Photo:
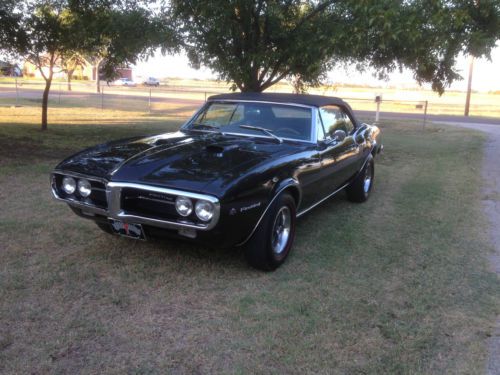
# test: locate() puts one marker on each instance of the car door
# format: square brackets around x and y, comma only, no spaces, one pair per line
[338,156]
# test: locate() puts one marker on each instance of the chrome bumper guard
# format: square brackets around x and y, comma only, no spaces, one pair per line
[114,211]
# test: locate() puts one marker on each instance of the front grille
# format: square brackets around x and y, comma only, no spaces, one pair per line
[149,204]
[96,198]
[98,195]
[135,203]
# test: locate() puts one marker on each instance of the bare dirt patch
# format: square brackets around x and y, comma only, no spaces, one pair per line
[491,203]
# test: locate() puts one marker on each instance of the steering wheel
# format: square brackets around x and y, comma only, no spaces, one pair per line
[289,130]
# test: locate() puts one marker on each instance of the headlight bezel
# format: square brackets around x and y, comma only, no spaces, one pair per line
[69,181]
[204,206]
[87,188]
[187,202]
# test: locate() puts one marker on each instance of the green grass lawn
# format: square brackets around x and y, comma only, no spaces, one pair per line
[399,284]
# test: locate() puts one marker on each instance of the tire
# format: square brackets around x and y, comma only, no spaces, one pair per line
[360,188]
[267,249]
[105,227]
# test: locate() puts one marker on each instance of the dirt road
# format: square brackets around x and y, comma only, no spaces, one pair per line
[491,205]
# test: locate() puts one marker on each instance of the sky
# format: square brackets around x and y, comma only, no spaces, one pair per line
[486,75]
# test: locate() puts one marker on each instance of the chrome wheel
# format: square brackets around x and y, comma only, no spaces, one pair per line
[281,230]
[367,183]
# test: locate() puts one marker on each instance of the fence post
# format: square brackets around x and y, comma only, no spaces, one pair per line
[102,98]
[59,99]
[425,114]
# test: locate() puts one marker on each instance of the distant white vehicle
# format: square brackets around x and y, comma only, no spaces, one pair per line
[152,81]
[124,82]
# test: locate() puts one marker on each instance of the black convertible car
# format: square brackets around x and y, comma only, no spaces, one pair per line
[239,172]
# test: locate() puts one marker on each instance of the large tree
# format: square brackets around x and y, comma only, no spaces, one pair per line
[46,31]
[50,33]
[255,44]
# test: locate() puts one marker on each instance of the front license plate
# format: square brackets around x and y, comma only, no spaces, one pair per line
[128,230]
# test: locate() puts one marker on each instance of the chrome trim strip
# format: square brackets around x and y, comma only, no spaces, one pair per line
[314,125]
[79,175]
[321,201]
[84,206]
[336,191]
[73,202]
[290,104]
[303,212]
[155,189]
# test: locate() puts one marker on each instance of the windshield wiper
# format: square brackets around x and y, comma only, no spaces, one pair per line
[207,126]
[263,130]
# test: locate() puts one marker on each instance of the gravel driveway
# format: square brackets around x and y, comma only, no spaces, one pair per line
[491,204]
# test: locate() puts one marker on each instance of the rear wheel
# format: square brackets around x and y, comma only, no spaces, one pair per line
[359,189]
[272,241]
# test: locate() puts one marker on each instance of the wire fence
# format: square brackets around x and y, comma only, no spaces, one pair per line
[167,100]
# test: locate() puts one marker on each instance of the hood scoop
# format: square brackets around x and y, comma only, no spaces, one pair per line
[162,141]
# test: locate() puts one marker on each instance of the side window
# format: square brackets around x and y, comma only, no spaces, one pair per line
[334,118]
[319,128]
[348,123]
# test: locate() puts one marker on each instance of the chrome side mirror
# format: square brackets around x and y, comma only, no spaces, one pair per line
[338,135]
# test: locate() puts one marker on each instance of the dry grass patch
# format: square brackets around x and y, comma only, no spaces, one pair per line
[396,285]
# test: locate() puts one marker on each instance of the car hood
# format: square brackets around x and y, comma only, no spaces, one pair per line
[178,160]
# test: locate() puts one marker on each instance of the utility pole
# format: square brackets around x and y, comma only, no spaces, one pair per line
[469,86]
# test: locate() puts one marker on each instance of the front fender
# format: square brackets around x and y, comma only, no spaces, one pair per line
[287,184]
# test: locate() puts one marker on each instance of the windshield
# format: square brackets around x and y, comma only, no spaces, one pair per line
[283,121]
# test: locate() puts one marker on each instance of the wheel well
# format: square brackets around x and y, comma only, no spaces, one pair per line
[295,193]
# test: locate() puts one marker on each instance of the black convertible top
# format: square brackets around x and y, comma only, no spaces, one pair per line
[310,100]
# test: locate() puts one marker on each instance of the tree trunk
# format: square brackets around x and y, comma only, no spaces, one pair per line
[97,76]
[45,102]
[70,73]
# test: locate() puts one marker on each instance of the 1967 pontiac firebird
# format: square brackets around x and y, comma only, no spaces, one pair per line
[238,173]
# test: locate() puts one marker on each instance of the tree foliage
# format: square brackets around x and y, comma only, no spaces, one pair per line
[9,23]
[257,43]
[122,34]
[50,33]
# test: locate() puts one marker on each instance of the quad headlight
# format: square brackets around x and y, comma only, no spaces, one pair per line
[204,210]
[84,188]
[184,206]
[69,185]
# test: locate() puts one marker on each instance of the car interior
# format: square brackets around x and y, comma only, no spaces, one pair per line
[283,121]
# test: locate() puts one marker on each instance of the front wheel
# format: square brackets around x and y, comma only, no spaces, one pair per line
[271,243]
[360,188]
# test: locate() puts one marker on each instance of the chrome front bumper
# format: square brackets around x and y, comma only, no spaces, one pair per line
[114,210]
